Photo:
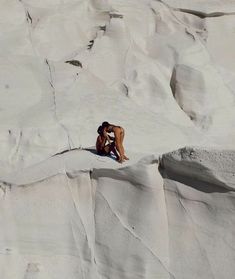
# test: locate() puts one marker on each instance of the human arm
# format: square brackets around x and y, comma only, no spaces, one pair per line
[107,137]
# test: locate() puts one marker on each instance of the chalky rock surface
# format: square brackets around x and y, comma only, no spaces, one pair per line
[202,165]
[165,71]
[199,191]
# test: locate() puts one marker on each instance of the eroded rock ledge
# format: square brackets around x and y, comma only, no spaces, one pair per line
[201,165]
[127,222]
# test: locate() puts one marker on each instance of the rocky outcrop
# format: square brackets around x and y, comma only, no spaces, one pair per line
[129,222]
[215,167]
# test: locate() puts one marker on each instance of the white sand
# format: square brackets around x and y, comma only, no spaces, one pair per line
[165,71]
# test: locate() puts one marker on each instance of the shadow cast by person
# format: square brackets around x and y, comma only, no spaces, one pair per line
[93,151]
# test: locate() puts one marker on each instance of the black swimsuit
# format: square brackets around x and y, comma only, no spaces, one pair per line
[102,152]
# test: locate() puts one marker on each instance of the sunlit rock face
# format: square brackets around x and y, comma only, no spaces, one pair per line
[165,71]
[199,190]
[68,65]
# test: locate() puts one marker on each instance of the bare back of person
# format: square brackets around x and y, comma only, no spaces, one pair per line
[100,146]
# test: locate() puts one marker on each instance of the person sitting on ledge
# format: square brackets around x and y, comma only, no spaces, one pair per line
[102,148]
[119,134]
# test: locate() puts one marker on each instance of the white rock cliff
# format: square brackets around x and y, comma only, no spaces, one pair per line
[165,71]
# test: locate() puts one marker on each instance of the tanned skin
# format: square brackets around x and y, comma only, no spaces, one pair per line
[119,134]
[105,149]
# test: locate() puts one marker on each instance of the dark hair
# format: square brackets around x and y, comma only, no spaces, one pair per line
[100,130]
[105,124]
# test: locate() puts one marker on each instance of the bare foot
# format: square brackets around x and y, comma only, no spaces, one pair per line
[120,160]
[126,157]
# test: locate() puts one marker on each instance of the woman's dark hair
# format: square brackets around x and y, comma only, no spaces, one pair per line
[105,124]
[100,130]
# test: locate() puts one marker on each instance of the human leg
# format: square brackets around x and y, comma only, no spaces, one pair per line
[121,139]
[113,149]
[119,147]
[107,149]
